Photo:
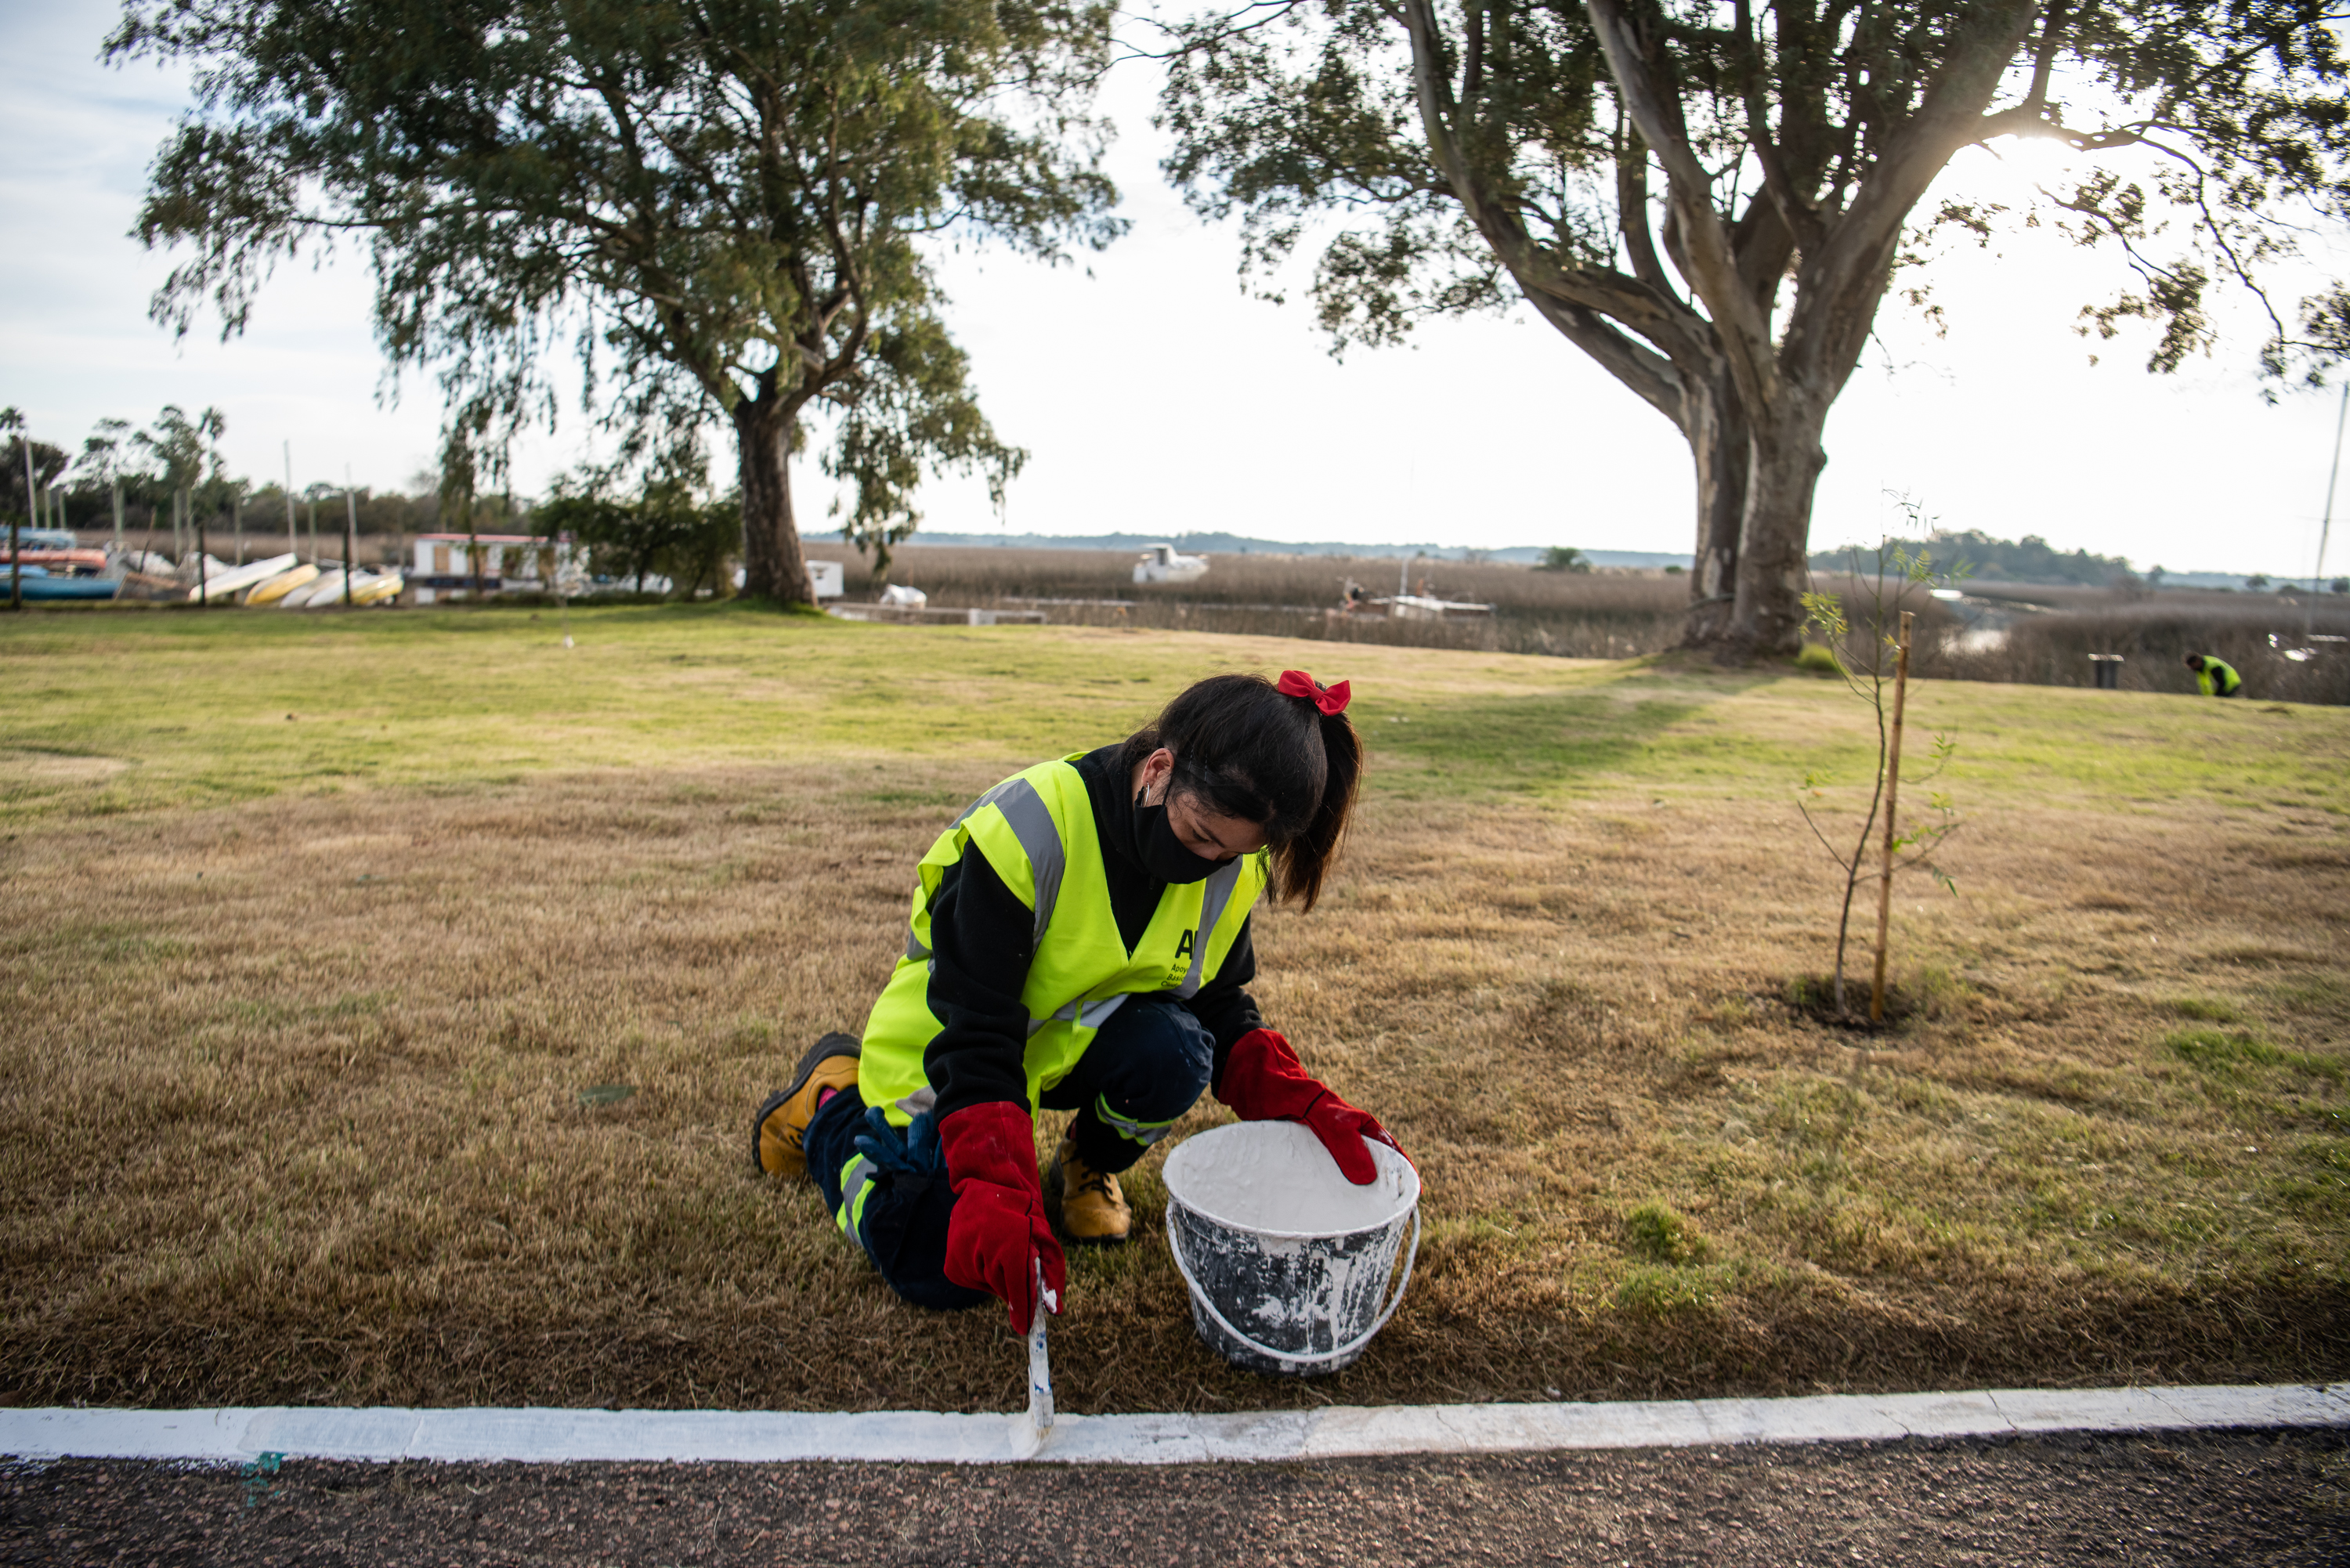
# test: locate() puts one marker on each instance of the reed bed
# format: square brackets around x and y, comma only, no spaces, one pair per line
[2285,652]
[1597,615]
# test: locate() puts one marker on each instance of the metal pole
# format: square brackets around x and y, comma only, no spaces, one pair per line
[1892,802]
[238,503]
[2325,523]
[204,577]
[292,545]
[15,546]
[117,515]
[350,533]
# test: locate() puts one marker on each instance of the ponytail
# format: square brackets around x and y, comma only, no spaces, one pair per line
[1282,756]
[1305,860]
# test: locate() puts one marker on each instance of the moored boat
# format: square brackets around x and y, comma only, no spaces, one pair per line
[227,581]
[279,586]
[327,591]
[379,588]
[39,583]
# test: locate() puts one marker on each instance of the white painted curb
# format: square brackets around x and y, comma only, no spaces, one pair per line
[548,1435]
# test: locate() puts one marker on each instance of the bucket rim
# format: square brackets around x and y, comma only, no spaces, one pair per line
[1386,1158]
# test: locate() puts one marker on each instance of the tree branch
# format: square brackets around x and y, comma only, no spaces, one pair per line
[1802,220]
[1712,269]
[1846,275]
[1655,378]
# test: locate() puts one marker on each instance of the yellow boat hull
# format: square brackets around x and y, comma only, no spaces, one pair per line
[379,589]
[279,586]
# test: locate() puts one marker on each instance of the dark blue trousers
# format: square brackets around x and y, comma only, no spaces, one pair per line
[1147,1064]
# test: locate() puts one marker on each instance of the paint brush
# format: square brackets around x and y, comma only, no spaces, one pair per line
[1029,1431]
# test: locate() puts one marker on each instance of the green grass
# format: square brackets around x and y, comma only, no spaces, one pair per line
[194,709]
[1662,1234]
[2230,1054]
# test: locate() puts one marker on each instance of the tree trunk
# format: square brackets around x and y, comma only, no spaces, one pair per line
[1719,443]
[773,567]
[1783,470]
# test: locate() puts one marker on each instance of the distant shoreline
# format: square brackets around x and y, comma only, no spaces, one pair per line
[1237,544]
[1516,555]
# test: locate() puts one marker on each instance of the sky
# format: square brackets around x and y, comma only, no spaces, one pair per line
[1155,395]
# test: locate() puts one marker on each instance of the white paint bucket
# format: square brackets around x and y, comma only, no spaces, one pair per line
[1287,1260]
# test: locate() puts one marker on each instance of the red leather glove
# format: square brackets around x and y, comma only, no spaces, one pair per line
[1263,1081]
[998,1221]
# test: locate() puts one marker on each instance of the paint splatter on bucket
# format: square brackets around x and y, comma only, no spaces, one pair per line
[1287,1260]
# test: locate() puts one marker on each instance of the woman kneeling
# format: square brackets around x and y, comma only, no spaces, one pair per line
[1080,943]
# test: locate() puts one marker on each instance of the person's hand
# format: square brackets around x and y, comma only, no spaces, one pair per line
[1263,1081]
[997,1228]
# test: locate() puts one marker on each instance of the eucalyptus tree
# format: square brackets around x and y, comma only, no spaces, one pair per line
[12,420]
[175,444]
[731,207]
[28,469]
[102,455]
[1712,201]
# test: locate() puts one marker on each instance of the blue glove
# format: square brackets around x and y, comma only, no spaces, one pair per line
[913,1152]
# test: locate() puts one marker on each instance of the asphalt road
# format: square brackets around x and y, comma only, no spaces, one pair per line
[2231,1498]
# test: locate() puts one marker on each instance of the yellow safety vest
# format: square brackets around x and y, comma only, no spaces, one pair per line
[1037,830]
[2217,673]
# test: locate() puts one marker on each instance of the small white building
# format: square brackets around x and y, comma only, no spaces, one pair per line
[825,580]
[446,566]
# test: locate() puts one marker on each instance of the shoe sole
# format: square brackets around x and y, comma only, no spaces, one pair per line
[823,1050]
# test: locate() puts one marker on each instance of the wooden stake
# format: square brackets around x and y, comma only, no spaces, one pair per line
[1892,802]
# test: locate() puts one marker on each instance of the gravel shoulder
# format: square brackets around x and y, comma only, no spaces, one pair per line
[2220,1498]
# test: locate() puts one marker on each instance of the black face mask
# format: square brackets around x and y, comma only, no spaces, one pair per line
[1161,852]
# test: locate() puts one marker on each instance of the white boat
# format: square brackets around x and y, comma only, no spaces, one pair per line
[279,586]
[223,582]
[378,589]
[327,591]
[1426,607]
[1160,564]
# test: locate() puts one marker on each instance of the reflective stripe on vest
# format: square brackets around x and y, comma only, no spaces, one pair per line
[1037,833]
[1031,821]
[1217,894]
[856,1185]
[1144,1133]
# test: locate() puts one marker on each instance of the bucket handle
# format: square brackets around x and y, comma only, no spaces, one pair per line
[1292,1357]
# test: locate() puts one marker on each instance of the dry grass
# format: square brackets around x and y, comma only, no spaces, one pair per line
[290,1080]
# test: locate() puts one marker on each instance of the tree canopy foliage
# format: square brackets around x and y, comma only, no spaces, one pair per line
[2032,559]
[667,530]
[1712,200]
[730,206]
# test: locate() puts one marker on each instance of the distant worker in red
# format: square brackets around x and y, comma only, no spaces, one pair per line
[2215,677]
[1079,941]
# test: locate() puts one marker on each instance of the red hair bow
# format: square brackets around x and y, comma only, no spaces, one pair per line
[1331,700]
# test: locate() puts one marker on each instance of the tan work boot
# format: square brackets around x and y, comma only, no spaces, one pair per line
[779,1132]
[1084,1202]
